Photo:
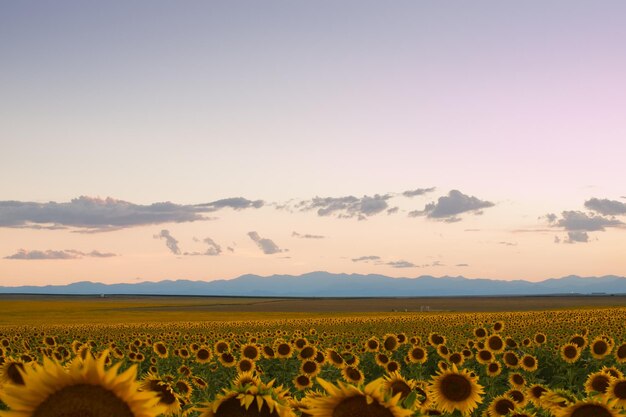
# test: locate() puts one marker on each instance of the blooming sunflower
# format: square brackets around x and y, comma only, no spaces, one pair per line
[620,353]
[84,388]
[597,382]
[417,354]
[456,390]
[587,408]
[258,400]
[500,406]
[570,352]
[616,392]
[600,347]
[346,400]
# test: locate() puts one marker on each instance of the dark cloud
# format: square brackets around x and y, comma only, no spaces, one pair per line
[577,236]
[606,207]
[307,236]
[266,245]
[213,248]
[57,254]
[448,207]
[393,210]
[346,207]
[418,191]
[579,221]
[236,203]
[172,244]
[401,264]
[366,258]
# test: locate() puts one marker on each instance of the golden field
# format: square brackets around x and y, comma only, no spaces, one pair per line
[120,356]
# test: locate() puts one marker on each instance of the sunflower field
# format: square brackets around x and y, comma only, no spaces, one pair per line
[566,363]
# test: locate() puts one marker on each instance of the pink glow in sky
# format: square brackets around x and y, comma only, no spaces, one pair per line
[306,123]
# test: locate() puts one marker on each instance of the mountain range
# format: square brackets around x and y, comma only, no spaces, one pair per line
[325,284]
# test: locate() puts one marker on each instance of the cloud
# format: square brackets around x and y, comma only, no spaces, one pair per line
[236,203]
[213,248]
[507,243]
[461,265]
[393,210]
[448,207]
[307,236]
[577,236]
[418,191]
[172,244]
[606,207]
[266,245]
[579,221]
[346,207]
[94,213]
[401,264]
[366,258]
[57,254]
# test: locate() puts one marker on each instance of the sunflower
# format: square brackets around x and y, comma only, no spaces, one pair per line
[283,350]
[535,393]
[557,400]
[395,384]
[587,408]
[345,400]
[268,352]
[436,339]
[579,340]
[227,359]
[517,380]
[221,346]
[335,359]
[600,347]
[245,365]
[307,352]
[494,369]
[183,388]
[353,375]
[480,332]
[310,368]
[443,351]
[258,400]
[11,372]
[616,392]
[244,378]
[302,382]
[203,355]
[417,354]
[540,338]
[500,406]
[82,388]
[250,351]
[517,396]
[160,349]
[570,352]
[392,366]
[495,344]
[484,356]
[160,386]
[372,344]
[620,353]
[498,326]
[510,360]
[390,342]
[456,358]
[529,363]
[597,382]
[456,390]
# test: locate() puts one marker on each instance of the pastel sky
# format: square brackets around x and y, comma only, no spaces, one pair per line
[151,140]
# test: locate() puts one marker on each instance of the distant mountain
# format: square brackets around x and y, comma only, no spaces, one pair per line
[325,284]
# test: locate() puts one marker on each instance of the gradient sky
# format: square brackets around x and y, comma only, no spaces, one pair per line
[506,117]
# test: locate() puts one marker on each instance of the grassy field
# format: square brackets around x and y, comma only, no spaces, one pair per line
[33,309]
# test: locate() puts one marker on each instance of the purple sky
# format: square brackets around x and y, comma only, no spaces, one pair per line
[512,111]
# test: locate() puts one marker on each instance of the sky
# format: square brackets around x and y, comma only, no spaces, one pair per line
[151,140]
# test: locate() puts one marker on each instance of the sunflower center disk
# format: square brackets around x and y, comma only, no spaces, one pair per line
[456,388]
[591,410]
[358,406]
[233,408]
[83,400]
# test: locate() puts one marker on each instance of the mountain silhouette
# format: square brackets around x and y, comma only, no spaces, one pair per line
[325,284]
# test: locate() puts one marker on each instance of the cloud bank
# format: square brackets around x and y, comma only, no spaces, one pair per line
[24,254]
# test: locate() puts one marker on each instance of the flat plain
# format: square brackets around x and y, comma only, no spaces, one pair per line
[53,309]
